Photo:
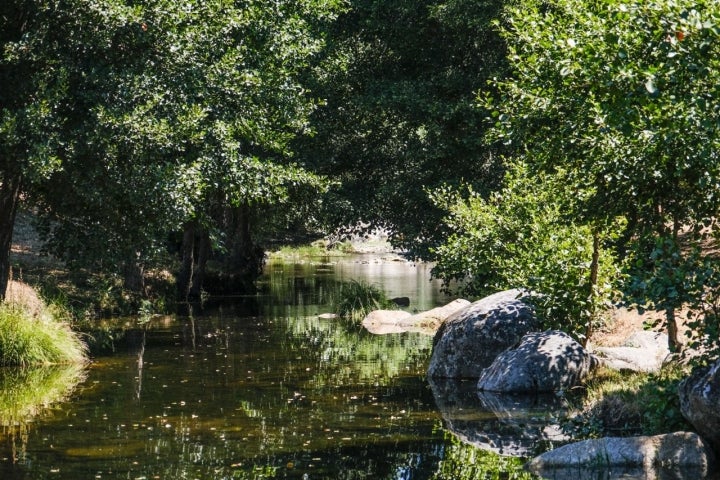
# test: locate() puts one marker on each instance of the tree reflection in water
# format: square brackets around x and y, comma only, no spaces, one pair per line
[261,390]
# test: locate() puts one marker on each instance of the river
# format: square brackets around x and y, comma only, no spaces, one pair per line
[251,388]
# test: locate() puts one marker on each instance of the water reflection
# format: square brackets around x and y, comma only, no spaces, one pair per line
[516,425]
[26,394]
[223,397]
[261,388]
[304,286]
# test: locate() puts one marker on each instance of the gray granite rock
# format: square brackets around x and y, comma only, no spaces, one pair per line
[542,362]
[470,339]
[643,351]
[678,451]
[700,402]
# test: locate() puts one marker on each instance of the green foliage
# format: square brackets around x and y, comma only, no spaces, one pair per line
[400,78]
[522,237]
[356,299]
[617,97]
[466,462]
[151,115]
[29,340]
[688,276]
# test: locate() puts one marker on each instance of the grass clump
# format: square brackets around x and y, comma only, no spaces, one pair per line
[37,336]
[356,299]
[626,404]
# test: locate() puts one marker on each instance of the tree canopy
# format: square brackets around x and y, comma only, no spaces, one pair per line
[618,101]
[154,116]
[400,79]
[509,140]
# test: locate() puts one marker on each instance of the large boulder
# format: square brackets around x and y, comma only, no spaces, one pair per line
[700,402]
[470,339]
[644,351]
[685,453]
[542,362]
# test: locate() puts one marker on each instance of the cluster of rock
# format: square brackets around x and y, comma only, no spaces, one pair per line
[492,348]
[495,341]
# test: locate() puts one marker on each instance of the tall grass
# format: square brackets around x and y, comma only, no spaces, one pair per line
[358,298]
[316,249]
[28,338]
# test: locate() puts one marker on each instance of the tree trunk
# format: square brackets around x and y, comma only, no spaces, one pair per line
[246,258]
[134,275]
[674,343]
[594,268]
[185,276]
[203,254]
[9,199]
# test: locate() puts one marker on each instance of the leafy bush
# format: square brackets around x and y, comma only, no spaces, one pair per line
[521,237]
[358,298]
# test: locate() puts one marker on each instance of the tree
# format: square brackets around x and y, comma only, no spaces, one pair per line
[620,97]
[521,237]
[172,112]
[400,79]
[26,101]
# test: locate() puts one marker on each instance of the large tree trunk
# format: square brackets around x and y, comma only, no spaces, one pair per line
[246,258]
[9,199]
[134,275]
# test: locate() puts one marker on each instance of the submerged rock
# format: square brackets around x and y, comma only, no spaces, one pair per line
[435,317]
[401,301]
[396,321]
[648,456]
[469,340]
[543,362]
[385,321]
[700,402]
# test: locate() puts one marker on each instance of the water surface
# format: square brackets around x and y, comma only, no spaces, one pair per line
[255,387]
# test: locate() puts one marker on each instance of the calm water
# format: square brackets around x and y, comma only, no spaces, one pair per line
[255,388]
